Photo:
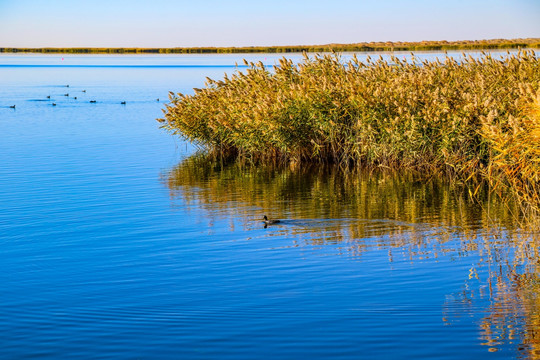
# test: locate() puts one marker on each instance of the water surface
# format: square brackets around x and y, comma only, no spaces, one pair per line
[118,240]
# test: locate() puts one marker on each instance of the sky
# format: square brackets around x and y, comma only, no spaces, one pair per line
[169,23]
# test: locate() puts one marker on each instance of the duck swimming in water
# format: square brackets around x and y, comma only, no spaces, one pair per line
[269,222]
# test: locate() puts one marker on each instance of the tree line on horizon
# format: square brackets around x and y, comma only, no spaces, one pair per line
[356,47]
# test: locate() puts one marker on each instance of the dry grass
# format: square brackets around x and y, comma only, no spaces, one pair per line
[516,152]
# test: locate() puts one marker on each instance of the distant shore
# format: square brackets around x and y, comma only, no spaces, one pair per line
[356,47]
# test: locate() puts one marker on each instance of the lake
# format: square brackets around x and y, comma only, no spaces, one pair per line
[118,240]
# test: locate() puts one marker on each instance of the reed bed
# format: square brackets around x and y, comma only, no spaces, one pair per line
[516,154]
[474,119]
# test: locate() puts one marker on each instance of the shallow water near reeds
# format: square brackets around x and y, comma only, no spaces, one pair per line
[118,240]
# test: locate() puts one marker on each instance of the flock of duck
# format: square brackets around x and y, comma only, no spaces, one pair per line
[75,98]
[266,221]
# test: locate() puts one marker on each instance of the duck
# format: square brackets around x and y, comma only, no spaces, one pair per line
[123,103]
[12,106]
[93,101]
[53,104]
[269,222]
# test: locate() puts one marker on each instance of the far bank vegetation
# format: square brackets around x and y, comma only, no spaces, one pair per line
[356,47]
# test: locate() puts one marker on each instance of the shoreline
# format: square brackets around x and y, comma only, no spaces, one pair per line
[492,44]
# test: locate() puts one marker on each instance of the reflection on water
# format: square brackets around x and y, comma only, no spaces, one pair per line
[405,215]
[513,314]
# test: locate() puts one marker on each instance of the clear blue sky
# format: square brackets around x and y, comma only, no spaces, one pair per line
[168,23]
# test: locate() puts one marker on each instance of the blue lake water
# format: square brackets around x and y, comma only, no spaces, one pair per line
[116,241]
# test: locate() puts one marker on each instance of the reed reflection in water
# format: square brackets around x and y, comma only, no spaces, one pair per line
[354,212]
